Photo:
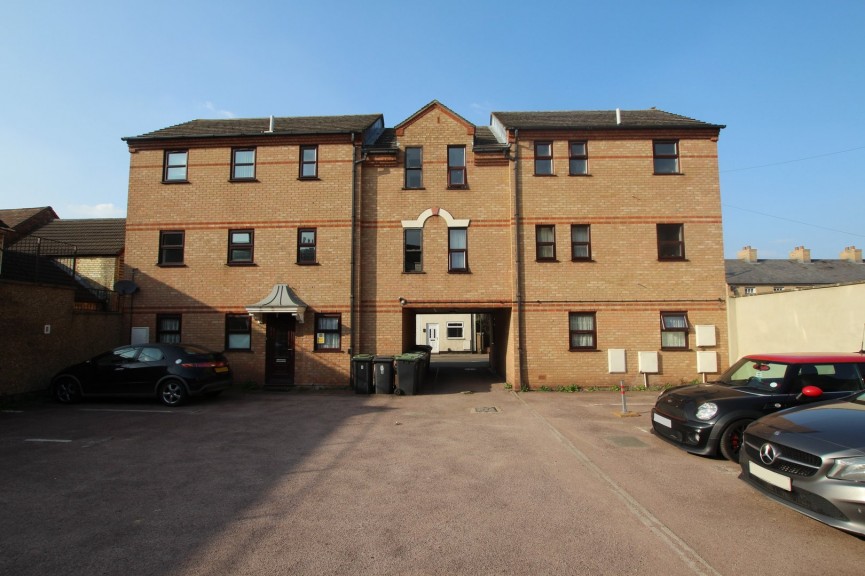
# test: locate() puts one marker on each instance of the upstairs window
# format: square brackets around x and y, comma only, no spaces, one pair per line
[457,250]
[414,168]
[306,246]
[168,328]
[171,247]
[243,164]
[545,242]
[413,261]
[240,246]
[581,242]
[583,333]
[238,332]
[175,164]
[327,332]
[543,158]
[671,241]
[666,154]
[309,161]
[457,167]
[578,158]
[674,330]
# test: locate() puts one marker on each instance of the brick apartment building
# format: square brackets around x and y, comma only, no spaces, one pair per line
[591,241]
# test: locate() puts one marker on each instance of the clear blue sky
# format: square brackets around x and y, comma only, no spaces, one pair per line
[786,77]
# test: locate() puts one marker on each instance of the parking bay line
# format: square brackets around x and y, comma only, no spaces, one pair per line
[134,411]
[56,440]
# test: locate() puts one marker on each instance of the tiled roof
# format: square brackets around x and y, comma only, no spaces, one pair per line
[791,272]
[91,236]
[15,216]
[598,119]
[258,126]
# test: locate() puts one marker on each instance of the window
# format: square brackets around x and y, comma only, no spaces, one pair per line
[306,246]
[327,332]
[168,328]
[583,333]
[581,242]
[455,330]
[240,244]
[243,164]
[457,167]
[778,289]
[457,250]
[309,161]
[175,166]
[238,332]
[148,354]
[671,241]
[414,168]
[666,153]
[413,250]
[545,242]
[750,290]
[578,159]
[674,330]
[543,158]
[170,247]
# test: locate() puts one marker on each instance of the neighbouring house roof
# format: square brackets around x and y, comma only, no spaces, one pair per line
[91,236]
[792,272]
[24,219]
[598,119]
[300,125]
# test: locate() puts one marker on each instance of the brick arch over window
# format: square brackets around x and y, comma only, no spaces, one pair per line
[429,212]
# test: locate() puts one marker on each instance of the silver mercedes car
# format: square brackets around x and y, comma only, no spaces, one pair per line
[812,459]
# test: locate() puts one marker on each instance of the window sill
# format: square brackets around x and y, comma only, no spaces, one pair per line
[240,264]
[583,350]
[421,188]
[240,350]
[668,174]
[582,260]
[413,272]
[328,351]
[180,265]
[581,175]
[545,175]
[675,349]
[457,188]
[175,182]
[459,272]
[672,260]
[242,180]
[307,263]
[309,178]
[546,260]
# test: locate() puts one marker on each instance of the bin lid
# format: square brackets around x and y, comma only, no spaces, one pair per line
[409,357]
[383,359]
[365,357]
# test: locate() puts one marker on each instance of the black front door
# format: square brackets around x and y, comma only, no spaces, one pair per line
[280,349]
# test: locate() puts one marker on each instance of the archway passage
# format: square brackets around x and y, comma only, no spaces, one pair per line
[469,346]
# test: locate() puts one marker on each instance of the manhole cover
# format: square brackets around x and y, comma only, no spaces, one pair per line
[483,409]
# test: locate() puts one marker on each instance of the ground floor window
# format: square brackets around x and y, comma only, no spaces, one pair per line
[583,331]
[327,332]
[168,328]
[455,330]
[238,332]
[674,330]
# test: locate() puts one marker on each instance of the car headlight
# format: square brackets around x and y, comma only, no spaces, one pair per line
[707,410]
[850,469]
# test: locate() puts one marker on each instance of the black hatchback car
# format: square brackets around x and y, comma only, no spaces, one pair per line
[170,372]
[709,418]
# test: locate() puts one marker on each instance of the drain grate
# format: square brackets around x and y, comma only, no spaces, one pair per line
[485,409]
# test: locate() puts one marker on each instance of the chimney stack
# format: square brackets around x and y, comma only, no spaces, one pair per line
[800,254]
[851,254]
[747,254]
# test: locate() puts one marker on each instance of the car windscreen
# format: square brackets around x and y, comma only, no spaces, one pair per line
[757,374]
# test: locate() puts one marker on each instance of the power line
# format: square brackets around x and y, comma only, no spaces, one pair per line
[793,161]
[794,221]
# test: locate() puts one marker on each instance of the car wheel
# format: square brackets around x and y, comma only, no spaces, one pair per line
[732,438]
[172,393]
[67,390]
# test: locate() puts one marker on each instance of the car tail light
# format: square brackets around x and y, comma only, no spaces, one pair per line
[211,364]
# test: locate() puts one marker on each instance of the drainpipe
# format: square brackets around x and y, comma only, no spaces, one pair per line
[352,314]
[521,325]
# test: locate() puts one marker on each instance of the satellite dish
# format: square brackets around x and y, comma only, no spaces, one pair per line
[124,287]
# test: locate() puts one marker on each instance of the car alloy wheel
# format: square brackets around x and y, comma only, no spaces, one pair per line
[732,439]
[172,393]
[67,390]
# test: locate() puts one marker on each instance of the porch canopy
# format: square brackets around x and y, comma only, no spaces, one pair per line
[281,299]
